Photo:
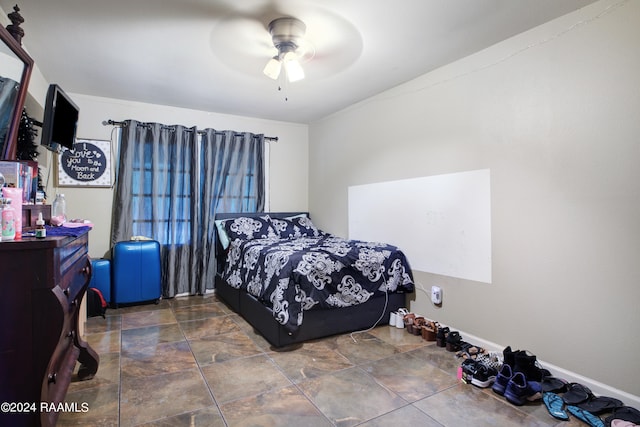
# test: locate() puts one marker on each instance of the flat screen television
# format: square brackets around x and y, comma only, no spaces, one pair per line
[60,120]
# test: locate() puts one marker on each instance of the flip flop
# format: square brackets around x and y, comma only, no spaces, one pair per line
[600,404]
[576,393]
[585,416]
[625,413]
[554,404]
[554,385]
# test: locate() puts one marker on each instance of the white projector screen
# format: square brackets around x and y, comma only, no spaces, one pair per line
[442,223]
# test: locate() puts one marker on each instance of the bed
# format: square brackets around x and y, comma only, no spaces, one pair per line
[293,282]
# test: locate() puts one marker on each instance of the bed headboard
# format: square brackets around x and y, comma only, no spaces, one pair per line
[257,214]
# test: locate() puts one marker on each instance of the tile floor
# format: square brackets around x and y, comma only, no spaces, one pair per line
[193,362]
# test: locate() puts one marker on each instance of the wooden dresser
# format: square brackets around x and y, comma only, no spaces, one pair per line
[42,282]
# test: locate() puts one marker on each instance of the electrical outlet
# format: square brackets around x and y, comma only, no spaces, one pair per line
[436,295]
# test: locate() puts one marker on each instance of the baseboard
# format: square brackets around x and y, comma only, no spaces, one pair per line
[598,388]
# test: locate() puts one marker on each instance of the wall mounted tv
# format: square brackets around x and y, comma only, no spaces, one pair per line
[60,120]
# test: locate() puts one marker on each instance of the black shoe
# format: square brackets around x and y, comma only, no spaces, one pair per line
[441,336]
[469,367]
[484,376]
[528,365]
[454,341]
[510,356]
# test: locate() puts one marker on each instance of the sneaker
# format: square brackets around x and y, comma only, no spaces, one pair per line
[393,318]
[519,390]
[491,359]
[484,376]
[468,370]
[502,379]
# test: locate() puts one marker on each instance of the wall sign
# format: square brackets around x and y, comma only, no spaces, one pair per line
[88,165]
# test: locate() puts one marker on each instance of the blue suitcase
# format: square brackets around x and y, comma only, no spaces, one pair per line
[101,277]
[136,275]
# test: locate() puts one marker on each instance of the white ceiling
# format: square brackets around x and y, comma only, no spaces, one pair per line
[209,54]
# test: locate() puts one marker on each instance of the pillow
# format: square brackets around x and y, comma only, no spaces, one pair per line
[245,228]
[295,226]
[222,233]
[297,216]
[283,227]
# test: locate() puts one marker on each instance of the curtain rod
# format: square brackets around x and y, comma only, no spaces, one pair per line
[121,124]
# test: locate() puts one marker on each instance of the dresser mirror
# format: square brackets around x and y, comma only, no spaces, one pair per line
[15,71]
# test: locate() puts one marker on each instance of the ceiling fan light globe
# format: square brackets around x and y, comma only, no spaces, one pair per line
[272,69]
[294,70]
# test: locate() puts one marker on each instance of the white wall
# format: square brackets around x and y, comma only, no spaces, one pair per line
[288,162]
[553,113]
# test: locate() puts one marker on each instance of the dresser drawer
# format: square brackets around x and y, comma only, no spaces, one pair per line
[55,385]
[73,259]
[75,268]
[75,278]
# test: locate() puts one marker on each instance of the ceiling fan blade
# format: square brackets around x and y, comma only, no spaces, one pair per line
[241,39]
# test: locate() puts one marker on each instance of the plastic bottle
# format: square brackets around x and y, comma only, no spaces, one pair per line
[41,232]
[59,210]
[8,220]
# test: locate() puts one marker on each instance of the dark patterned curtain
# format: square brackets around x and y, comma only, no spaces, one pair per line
[171,180]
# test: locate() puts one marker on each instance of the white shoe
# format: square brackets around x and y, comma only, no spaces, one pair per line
[393,319]
[400,321]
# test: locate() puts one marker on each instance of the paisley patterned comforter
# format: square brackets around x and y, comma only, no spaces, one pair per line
[299,273]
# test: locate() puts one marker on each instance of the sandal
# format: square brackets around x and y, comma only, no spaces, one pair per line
[585,416]
[625,413]
[554,385]
[415,327]
[469,351]
[429,330]
[576,393]
[408,319]
[554,404]
[454,341]
[600,405]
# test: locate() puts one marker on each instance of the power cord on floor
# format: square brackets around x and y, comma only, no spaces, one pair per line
[384,311]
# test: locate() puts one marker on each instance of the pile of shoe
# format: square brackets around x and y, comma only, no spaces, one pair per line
[449,339]
[479,367]
[429,330]
[482,370]
[396,318]
[625,416]
[563,399]
[519,379]
[414,324]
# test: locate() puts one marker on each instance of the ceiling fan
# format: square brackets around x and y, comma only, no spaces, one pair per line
[245,40]
[287,35]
